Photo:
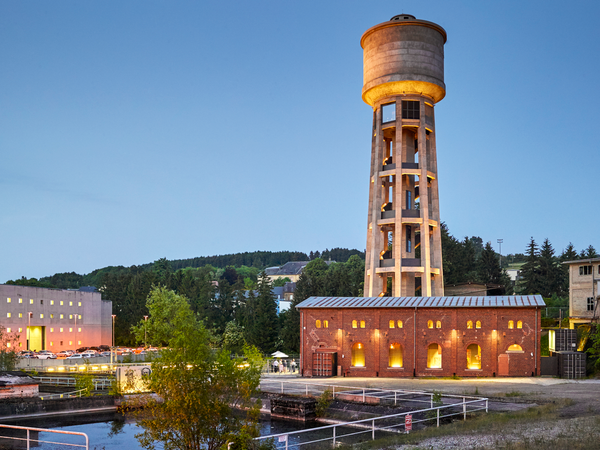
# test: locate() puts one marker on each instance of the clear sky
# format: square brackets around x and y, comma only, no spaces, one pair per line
[131,131]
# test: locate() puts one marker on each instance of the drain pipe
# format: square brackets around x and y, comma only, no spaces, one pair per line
[415,343]
[536,341]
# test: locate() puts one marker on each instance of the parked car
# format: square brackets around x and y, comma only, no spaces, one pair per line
[75,356]
[26,354]
[89,354]
[64,354]
[46,354]
[105,354]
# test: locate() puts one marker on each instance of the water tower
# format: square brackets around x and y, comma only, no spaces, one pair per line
[403,80]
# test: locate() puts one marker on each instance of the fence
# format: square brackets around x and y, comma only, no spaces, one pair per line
[353,393]
[28,438]
[394,423]
[73,394]
[99,383]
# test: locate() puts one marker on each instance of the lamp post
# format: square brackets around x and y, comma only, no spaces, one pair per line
[112,347]
[146,331]
[500,241]
[29,314]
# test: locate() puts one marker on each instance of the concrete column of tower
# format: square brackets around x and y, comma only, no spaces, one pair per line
[403,80]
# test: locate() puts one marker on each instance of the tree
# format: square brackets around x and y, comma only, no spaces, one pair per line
[530,271]
[198,387]
[264,328]
[8,346]
[488,267]
[551,274]
[280,282]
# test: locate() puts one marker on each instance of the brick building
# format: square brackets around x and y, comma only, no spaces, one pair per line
[420,336]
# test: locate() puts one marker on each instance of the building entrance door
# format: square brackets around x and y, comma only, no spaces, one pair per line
[36,338]
[324,364]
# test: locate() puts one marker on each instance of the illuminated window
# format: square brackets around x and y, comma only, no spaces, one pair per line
[411,109]
[514,348]
[399,324]
[8,344]
[51,343]
[473,356]
[395,355]
[358,355]
[430,324]
[70,316]
[61,330]
[325,323]
[8,300]
[8,330]
[62,316]
[362,323]
[41,316]
[31,301]
[20,300]
[20,330]
[79,330]
[70,303]
[478,324]
[20,344]
[70,342]
[78,342]
[51,302]
[52,316]
[354,324]
[7,314]
[79,304]
[51,330]
[318,324]
[438,324]
[392,324]
[519,324]
[62,303]
[79,317]
[20,315]
[388,113]
[434,356]
[511,324]
[469,324]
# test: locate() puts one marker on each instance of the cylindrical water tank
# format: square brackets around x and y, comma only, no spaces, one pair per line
[403,56]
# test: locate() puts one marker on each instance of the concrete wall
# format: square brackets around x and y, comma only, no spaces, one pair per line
[580,288]
[494,337]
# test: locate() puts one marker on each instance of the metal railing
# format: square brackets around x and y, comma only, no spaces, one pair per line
[393,423]
[99,383]
[357,394]
[73,394]
[28,439]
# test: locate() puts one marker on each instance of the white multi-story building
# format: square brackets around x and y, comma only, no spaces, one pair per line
[584,290]
[54,319]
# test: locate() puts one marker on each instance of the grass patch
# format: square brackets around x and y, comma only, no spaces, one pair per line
[514,394]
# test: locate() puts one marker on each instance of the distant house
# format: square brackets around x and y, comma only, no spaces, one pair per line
[291,270]
[17,384]
[584,290]
[283,296]
[470,289]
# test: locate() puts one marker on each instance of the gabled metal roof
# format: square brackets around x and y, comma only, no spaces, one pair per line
[509,301]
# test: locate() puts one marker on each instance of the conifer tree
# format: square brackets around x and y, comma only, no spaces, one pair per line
[551,275]
[264,329]
[530,271]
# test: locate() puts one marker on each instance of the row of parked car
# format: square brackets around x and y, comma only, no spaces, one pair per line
[83,353]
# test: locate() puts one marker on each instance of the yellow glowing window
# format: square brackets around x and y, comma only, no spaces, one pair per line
[358,355]
[31,301]
[8,344]
[473,356]
[430,324]
[79,330]
[62,303]
[325,323]
[61,330]
[51,343]
[78,342]
[434,356]
[478,324]
[41,316]
[70,303]
[438,324]
[469,324]
[511,324]
[20,344]
[8,330]
[395,355]
[79,317]
[70,342]
[519,324]
[400,324]
[20,300]
[20,315]
[318,324]
[362,323]
[354,324]
[514,348]
[7,314]
[52,316]
[8,300]
[70,330]
[392,324]
[79,304]
[62,316]
[51,302]
[20,330]
[51,330]
[70,316]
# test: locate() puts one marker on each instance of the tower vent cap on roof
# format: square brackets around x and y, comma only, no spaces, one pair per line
[403,17]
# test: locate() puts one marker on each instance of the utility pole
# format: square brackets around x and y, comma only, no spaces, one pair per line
[146,331]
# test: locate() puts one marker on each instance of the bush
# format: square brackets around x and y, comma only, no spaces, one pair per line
[323,403]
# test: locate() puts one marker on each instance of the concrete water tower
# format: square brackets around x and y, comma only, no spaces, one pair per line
[403,80]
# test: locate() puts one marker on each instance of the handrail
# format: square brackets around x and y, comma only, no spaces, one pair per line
[45,430]
[74,394]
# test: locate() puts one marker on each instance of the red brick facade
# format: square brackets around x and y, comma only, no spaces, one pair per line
[450,329]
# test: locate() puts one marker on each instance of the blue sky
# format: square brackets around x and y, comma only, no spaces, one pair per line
[131,131]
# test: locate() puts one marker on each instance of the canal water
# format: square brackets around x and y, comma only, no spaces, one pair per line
[112,431]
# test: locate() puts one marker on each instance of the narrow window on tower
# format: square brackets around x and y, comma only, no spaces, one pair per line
[408,199]
[408,239]
[388,113]
[590,303]
[411,109]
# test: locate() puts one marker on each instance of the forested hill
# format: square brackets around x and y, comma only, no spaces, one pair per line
[257,260]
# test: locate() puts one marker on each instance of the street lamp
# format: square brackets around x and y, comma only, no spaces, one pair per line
[500,241]
[146,331]
[29,314]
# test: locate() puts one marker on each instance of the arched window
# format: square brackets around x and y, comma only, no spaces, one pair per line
[515,348]
[473,356]
[326,324]
[399,324]
[434,356]
[438,324]
[354,324]
[318,323]
[511,324]
[469,324]
[478,324]
[519,324]
[358,355]
[430,324]
[392,324]
[362,323]
[395,355]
